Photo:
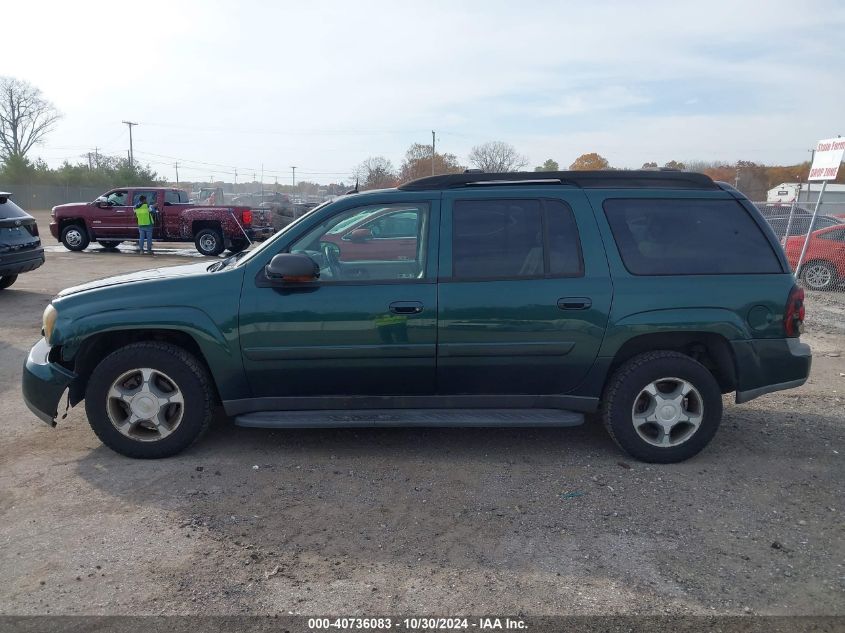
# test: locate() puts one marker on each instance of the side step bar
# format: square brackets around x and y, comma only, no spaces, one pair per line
[410,417]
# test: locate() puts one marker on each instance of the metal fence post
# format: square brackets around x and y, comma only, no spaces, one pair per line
[809,231]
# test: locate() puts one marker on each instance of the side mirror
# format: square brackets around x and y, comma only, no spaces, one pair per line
[101,203]
[359,235]
[292,267]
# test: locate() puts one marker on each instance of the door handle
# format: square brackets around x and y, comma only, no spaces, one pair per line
[406,307]
[574,303]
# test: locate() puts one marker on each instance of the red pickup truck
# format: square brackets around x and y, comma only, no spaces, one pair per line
[110,220]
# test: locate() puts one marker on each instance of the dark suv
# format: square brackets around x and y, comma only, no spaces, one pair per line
[20,245]
[520,300]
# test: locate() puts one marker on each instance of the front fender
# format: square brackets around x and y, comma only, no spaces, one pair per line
[711,320]
[220,351]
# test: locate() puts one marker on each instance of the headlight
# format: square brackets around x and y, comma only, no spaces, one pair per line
[48,321]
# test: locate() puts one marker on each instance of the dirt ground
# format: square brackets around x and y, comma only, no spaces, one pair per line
[432,522]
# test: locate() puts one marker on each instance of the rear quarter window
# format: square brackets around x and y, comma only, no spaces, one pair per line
[689,237]
[9,211]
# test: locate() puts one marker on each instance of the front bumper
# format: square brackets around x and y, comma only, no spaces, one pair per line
[767,365]
[21,262]
[44,382]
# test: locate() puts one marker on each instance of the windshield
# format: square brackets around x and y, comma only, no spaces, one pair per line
[248,255]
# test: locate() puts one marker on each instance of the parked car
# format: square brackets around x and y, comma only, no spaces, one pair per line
[110,220]
[20,245]
[800,224]
[824,261]
[781,209]
[641,296]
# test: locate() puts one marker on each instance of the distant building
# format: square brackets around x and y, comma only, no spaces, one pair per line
[806,195]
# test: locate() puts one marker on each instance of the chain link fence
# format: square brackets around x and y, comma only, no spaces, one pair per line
[818,245]
[42,197]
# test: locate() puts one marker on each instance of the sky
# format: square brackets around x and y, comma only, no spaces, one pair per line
[231,86]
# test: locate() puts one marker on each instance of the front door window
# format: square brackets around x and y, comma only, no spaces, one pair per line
[385,242]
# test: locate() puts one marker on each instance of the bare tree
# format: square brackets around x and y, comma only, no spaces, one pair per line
[25,117]
[376,172]
[496,157]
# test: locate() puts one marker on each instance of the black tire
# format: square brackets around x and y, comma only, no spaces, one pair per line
[819,275]
[75,237]
[238,245]
[7,280]
[624,391]
[186,373]
[209,242]
[109,246]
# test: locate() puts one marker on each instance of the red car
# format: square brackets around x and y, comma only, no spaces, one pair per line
[824,263]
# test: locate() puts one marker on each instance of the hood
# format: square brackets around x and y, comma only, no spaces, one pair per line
[70,205]
[170,272]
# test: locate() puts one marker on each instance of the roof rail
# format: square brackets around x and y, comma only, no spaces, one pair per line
[604,179]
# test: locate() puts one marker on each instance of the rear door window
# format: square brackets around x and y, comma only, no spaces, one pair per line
[689,237]
[514,239]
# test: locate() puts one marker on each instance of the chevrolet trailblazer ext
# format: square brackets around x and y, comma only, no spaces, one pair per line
[526,299]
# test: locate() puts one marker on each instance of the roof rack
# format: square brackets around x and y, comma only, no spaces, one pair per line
[606,179]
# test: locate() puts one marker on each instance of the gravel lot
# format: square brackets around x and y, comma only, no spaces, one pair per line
[434,522]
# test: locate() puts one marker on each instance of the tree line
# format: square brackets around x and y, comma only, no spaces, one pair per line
[752,179]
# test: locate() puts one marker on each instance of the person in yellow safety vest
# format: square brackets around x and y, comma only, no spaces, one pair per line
[145,225]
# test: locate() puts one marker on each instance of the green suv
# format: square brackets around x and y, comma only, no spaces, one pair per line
[515,299]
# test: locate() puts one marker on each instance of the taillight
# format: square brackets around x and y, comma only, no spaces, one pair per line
[33,229]
[793,315]
[246,216]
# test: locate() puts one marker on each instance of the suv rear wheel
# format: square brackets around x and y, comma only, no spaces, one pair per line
[149,400]
[662,407]
[75,237]
[7,280]
[209,242]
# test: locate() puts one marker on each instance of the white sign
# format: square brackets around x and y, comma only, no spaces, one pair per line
[827,159]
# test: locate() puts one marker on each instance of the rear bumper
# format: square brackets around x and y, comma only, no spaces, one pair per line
[21,262]
[259,233]
[43,383]
[767,365]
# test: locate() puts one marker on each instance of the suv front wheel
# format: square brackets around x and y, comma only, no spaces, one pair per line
[662,407]
[149,400]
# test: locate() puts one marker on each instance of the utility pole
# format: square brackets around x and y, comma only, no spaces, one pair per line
[293,176]
[176,165]
[131,151]
[262,182]
[432,152]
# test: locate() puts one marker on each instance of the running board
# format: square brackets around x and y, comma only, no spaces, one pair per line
[409,417]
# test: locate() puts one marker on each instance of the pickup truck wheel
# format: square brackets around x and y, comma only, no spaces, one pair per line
[7,280]
[149,400]
[662,407]
[209,242]
[75,237]
[238,245]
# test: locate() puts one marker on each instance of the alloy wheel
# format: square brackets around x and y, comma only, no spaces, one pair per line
[667,412]
[145,404]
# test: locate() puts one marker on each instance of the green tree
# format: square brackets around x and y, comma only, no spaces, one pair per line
[549,165]
[673,164]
